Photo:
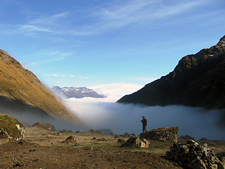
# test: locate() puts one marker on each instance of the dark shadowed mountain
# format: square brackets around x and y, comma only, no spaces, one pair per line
[77,92]
[22,95]
[198,80]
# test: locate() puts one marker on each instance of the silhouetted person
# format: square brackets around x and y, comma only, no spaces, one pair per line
[144,122]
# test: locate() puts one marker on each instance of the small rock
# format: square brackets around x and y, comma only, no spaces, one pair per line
[135,141]
[70,138]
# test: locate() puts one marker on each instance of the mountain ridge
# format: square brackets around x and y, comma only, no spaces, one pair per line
[196,81]
[21,87]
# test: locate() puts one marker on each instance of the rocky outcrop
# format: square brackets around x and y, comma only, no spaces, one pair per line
[194,156]
[197,81]
[162,134]
[45,126]
[94,132]
[136,142]
[11,128]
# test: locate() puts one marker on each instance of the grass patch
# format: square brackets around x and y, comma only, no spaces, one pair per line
[8,123]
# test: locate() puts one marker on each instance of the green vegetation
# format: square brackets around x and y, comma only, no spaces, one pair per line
[8,123]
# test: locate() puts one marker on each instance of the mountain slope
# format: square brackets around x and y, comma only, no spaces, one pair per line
[77,92]
[21,90]
[197,80]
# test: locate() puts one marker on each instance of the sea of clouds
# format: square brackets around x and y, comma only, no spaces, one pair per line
[105,113]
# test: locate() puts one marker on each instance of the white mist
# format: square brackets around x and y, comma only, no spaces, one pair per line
[196,122]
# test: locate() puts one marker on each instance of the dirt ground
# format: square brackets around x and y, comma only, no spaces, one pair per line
[44,150]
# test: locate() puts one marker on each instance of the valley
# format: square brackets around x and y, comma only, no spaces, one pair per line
[43,149]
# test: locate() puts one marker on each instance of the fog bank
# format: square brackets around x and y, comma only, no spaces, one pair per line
[196,122]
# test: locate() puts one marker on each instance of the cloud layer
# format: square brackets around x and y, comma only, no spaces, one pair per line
[105,113]
[120,118]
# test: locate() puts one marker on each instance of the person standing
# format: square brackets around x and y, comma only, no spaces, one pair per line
[144,122]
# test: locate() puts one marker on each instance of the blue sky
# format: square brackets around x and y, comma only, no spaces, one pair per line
[95,42]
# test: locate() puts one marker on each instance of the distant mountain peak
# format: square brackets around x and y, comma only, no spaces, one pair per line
[77,92]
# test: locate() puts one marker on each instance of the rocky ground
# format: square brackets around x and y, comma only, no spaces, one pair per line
[42,149]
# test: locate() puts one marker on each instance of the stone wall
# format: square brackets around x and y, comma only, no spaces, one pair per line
[162,134]
[194,156]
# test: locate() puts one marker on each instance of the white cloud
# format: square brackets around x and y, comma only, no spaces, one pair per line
[52,21]
[64,75]
[116,90]
[44,57]
[33,28]
[136,11]
[109,16]
[44,24]
[113,92]
[83,77]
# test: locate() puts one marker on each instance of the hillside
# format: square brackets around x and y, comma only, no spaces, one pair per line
[76,92]
[24,96]
[197,80]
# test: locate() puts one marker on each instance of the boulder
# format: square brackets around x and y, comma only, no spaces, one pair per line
[11,128]
[45,126]
[162,134]
[136,142]
[69,140]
